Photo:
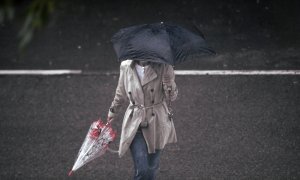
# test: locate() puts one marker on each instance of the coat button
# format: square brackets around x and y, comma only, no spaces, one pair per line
[152,90]
[129,92]
[153,114]
[152,101]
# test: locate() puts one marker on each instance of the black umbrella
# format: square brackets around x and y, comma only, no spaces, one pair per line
[158,42]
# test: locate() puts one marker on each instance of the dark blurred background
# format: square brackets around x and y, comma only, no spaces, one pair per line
[246,34]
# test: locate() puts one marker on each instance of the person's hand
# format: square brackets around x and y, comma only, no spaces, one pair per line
[109,120]
[166,79]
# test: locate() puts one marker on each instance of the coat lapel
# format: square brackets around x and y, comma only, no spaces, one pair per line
[150,75]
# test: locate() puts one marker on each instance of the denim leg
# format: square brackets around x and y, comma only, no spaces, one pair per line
[139,152]
[153,160]
[146,165]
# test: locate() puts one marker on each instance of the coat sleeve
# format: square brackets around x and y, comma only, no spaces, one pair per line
[120,95]
[169,85]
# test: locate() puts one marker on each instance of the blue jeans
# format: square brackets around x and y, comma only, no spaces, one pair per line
[146,165]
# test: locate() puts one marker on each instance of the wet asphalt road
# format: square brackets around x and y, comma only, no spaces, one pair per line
[228,127]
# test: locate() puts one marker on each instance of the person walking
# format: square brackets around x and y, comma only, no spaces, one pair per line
[147,125]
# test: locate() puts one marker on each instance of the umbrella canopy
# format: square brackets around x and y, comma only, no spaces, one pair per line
[158,42]
[95,144]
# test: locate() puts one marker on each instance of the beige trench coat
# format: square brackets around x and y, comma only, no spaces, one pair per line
[147,105]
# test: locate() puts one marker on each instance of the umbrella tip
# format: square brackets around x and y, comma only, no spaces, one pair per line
[70,173]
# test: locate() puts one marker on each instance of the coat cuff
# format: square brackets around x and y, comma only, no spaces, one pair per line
[173,94]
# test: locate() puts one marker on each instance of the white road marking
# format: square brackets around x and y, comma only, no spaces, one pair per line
[39,72]
[237,72]
[177,72]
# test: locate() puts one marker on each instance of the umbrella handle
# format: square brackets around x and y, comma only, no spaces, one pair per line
[112,151]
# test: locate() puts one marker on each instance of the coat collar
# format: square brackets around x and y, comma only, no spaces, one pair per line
[150,74]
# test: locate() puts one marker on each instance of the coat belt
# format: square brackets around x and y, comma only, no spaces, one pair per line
[144,124]
[140,106]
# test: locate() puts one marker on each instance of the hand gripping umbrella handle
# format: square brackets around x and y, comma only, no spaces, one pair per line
[108,121]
